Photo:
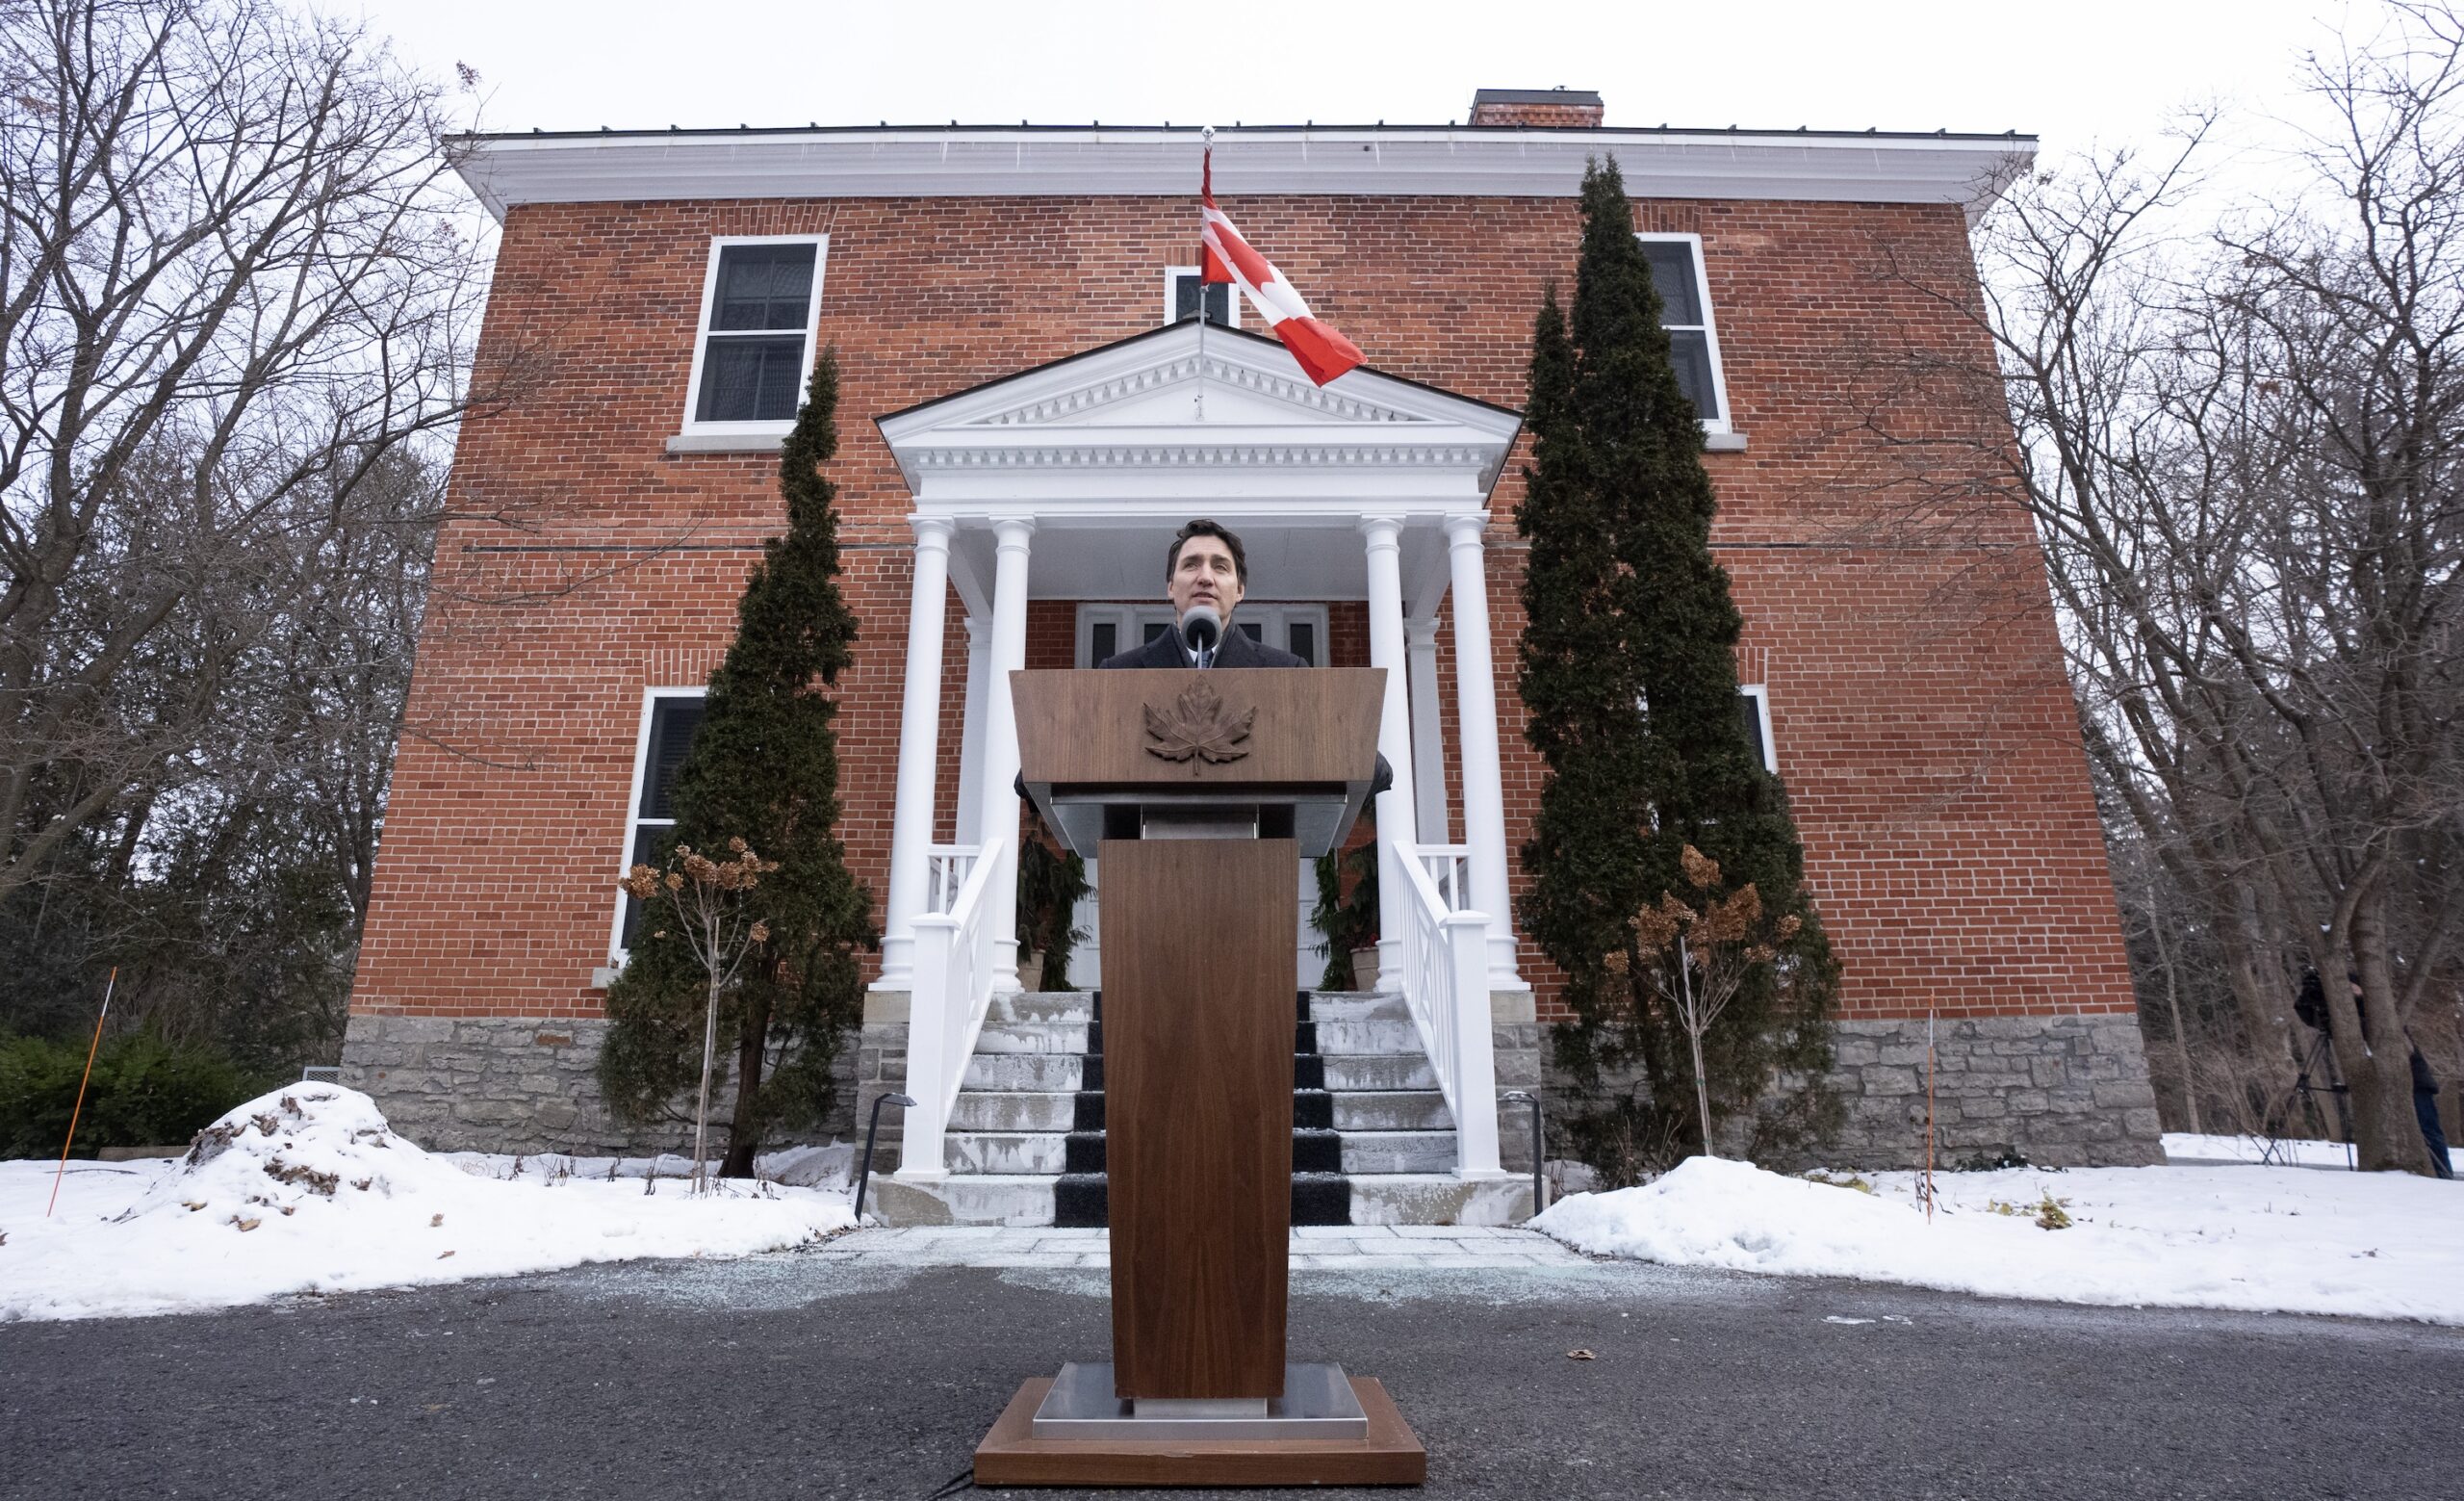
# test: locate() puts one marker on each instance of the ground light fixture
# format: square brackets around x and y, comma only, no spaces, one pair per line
[872,1133]
[1539,1155]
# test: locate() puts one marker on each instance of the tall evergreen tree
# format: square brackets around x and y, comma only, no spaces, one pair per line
[1629,671]
[763,767]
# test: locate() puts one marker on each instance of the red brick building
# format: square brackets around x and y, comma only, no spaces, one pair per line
[1026,416]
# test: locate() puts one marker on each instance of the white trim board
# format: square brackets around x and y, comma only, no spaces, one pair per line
[1470,161]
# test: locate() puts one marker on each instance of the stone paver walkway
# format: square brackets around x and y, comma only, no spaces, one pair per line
[1314,1248]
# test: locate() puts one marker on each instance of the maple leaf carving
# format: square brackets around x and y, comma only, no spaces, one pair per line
[1197,728]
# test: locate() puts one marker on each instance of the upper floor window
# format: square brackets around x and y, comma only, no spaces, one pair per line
[1685,312]
[1182,291]
[670,717]
[760,306]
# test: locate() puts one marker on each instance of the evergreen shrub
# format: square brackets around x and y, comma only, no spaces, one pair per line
[1629,673]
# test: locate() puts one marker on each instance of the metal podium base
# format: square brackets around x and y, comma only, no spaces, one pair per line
[1013,1454]
[1317,1403]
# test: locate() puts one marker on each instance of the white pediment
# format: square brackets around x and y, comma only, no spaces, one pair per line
[1216,386]
[1189,399]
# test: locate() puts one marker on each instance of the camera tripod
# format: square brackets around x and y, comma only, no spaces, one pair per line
[2276,1146]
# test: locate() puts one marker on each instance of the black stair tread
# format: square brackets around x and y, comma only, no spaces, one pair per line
[1083,1201]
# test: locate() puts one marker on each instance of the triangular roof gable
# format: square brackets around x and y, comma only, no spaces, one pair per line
[1138,399]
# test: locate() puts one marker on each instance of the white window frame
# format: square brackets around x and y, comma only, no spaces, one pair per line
[1710,327]
[1132,621]
[1760,693]
[634,822]
[770,429]
[1173,304]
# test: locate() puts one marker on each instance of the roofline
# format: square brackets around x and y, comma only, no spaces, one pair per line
[1225,133]
[1029,161]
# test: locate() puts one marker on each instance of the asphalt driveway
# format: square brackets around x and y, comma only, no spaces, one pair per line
[870,1377]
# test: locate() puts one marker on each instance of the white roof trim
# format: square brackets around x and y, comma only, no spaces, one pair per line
[504,171]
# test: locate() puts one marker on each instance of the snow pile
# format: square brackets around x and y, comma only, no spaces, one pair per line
[2286,1239]
[306,1190]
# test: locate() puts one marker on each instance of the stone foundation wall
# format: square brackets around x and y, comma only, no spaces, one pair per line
[2064,1091]
[493,1085]
[2060,1091]
[878,1059]
[1516,1040]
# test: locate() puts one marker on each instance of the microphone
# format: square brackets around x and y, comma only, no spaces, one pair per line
[1201,629]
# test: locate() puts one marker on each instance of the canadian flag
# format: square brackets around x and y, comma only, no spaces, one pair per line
[1322,353]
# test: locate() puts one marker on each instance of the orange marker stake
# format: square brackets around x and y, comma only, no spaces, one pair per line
[80,1107]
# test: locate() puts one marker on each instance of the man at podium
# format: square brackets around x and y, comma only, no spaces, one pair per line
[1205,576]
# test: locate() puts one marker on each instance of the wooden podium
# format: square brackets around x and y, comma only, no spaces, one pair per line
[1199,793]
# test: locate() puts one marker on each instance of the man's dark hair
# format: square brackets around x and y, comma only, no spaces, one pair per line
[1222,534]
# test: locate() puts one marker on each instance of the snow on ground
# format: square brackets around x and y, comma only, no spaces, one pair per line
[2182,1147]
[2379,1245]
[304,1189]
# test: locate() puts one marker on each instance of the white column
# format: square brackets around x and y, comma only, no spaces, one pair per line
[1476,701]
[919,731]
[979,673]
[1397,829]
[1428,731]
[1007,655]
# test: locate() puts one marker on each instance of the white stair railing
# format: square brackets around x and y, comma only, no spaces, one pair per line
[945,870]
[945,1013]
[1448,868]
[1446,984]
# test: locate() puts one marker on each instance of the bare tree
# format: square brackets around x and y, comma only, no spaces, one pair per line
[237,296]
[2240,450]
[710,904]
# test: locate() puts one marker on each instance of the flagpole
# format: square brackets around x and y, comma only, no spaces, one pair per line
[1206,136]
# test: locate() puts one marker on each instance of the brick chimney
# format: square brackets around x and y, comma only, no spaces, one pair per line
[1576,109]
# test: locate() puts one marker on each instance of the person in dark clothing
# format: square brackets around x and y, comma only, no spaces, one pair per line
[1207,566]
[2310,1006]
[2426,1111]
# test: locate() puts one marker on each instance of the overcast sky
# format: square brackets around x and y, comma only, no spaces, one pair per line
[2073,72]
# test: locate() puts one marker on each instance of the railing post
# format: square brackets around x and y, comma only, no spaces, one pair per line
[929,1021]
[1475,1074]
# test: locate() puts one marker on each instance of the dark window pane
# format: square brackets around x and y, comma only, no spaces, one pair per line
[1691,354]
[763,286]
[1752,708]
[1154,628]
[1256,630]
[673,721]
[1102,643]
[647,843]
[1219,300]
[751,379]
[1673,275]
[1303,642]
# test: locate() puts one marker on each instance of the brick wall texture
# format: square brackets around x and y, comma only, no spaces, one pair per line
[1923,726]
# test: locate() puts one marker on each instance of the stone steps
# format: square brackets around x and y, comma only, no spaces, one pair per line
[1372,1140]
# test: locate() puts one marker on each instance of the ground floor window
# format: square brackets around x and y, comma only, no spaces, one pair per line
[1754,702]
[669,718]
